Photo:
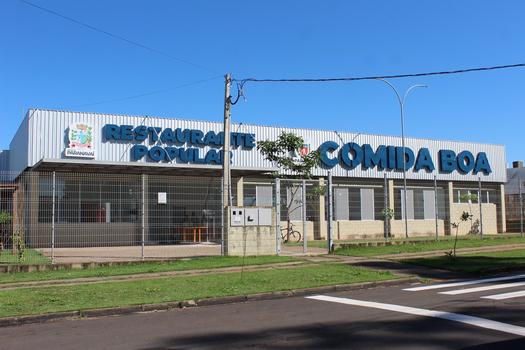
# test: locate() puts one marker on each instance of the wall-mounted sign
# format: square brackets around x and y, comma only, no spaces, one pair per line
[162,198]
[175,145]
[351,155]
[80,141]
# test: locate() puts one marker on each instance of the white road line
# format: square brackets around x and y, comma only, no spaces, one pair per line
[471,320]
[518,294]
[483,288]
[464,283]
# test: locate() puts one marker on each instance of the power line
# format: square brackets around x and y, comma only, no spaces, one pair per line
[115,36]
[310,80]
[154,92]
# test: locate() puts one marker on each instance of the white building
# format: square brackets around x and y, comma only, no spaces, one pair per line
[102,162]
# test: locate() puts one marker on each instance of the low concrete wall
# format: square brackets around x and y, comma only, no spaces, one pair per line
[417,228]
[370,229]
[356,229]
[251,240]
[489,212]
[91,234]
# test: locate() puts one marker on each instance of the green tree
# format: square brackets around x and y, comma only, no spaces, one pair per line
[285,153]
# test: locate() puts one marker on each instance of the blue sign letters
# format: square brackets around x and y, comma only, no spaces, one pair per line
[169,138]
[350,155]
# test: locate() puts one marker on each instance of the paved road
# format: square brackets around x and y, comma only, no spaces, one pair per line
[306,323]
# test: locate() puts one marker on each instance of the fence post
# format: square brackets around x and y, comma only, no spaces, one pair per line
[521,206]
[53,221]
[223,250]
[480,208]
[303,214]
[278,216]
[330,214]
[436,213]
[385,206]
[143,216]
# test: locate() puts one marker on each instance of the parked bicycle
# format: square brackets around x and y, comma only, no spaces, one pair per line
[289,234]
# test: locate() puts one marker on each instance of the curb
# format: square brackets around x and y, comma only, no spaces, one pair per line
[114,311]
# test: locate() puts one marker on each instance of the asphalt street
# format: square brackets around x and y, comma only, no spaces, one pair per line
[336,321]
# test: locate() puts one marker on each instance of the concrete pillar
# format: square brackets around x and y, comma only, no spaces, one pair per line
[450,202]
[391,205]
[320,230]
[35,237]
[240,191]
[502,224]
[147,232]
[391,198]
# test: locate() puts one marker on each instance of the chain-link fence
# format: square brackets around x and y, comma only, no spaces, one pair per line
[301,207]
[515,208]
[66,217]
[79,217]
[382,209]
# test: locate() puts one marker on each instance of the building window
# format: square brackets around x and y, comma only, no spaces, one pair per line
[249,195]
[471,196]
[421,204]
[367,204]
[257,195]
[81,199]
[264,195]
[353,203]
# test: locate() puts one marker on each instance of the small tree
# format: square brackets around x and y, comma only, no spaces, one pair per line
[465,216]
[471,197]
[285,152]
[388,214]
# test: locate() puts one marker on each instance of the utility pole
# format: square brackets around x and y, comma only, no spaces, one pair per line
[226,160]
[226,147]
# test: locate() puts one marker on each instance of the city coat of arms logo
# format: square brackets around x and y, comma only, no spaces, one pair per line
[304,150]
[81,141]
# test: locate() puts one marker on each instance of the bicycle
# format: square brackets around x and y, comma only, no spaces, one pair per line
[288,234]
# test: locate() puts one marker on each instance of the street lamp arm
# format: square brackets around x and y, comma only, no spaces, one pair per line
[412,88]
[401,107]
[401,101]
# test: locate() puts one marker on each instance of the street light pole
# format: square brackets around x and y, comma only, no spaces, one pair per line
[402,107]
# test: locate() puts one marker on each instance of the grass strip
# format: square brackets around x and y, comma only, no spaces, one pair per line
[88,296]
[140,268]
[479,263]
[428,246]
[31,256]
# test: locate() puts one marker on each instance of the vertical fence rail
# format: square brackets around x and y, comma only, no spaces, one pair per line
[330,214]
[53,220]
[386,212]
[278,215]
[480,201]
[223,223]
[520,188]
[436,210]
[143,216]
[303,217]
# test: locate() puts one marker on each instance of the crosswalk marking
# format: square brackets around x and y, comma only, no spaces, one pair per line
[503,296]
[470,320]
[463,283]
[483,288]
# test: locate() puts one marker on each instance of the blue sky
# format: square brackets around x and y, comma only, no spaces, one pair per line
[48,62]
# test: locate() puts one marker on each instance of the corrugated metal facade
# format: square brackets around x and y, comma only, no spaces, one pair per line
[44,136]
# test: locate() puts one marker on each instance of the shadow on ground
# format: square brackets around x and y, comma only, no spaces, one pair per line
[399,333]
[409,269]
